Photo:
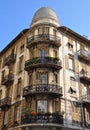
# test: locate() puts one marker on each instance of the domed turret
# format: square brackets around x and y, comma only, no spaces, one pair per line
[45,15]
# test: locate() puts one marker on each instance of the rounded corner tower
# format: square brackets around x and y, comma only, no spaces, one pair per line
[45,15]
[43,67]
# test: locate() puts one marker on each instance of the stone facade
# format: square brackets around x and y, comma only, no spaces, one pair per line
[45,78]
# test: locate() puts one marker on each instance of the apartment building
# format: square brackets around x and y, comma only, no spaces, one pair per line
[45,77]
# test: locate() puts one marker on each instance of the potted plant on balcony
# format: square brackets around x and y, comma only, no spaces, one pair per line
[26,112]
[60,117]
[56,59]
[33,116]
[58,113]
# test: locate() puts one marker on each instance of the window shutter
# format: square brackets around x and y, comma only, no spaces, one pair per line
[15,91]
[16,114]
[67,62]
[23,62]
[33,106]
[82,46]
[17,66]
[10,93]
[70,41]
[47,52]
[81,89]
[76,66]
[40,30]
[57,106]
[22,85]
[5,118]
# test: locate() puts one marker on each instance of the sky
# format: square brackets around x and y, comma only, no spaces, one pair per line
[16,15]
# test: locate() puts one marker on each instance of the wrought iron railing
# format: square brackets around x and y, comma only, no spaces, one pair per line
[84,54]
[9,59]
[86,98]
[7,79]
[42,88]
[44,37]
[84,74]
[42,118]
[5,102]
[46,61]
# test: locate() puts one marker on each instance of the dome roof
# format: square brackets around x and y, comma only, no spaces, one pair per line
[45,12]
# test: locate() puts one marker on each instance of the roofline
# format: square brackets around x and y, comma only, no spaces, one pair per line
[14,40]
[75,35]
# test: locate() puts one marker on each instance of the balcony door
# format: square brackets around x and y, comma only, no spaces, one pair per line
[43,78]
[42,106]
[43,55]
[86,92]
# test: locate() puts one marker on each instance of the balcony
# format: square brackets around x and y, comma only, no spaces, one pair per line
[46,38]
[84,75]
[45,89]
[84,55]
[86,99]
[10,59]
[42,118]
[8,79]
[49,62]
[5,102]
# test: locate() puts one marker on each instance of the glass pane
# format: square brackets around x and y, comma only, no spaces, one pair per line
[71,65]
[43,78]
[41,106]
[5,118]
[42,53]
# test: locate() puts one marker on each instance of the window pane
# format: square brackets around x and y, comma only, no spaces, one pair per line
[71,64]
[5,118]
[42,106]
[43,78]
[42,53]
[16,114]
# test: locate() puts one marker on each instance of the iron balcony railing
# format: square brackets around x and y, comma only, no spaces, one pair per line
[85,75]
[84,55]
[42,88]
[8,79]
[52,62]
[44,37]
[10,59]
[5,102]
[42,118]
[86,98]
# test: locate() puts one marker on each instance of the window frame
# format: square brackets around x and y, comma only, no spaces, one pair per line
[71,64]
[42,105]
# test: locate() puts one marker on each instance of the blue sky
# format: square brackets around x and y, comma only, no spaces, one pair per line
[16,15]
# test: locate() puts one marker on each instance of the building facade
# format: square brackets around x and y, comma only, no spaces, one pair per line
[45,77]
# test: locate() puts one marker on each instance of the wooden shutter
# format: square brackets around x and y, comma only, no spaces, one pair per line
[23,62]
[33,106]
[15,92]
[22,85]
[6,118]
[67,62]
[57,106]
[11,90]
[47,52]
[70,41]
[76,66]
[40,30]
[17,67]
[81,46]
[11,115]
